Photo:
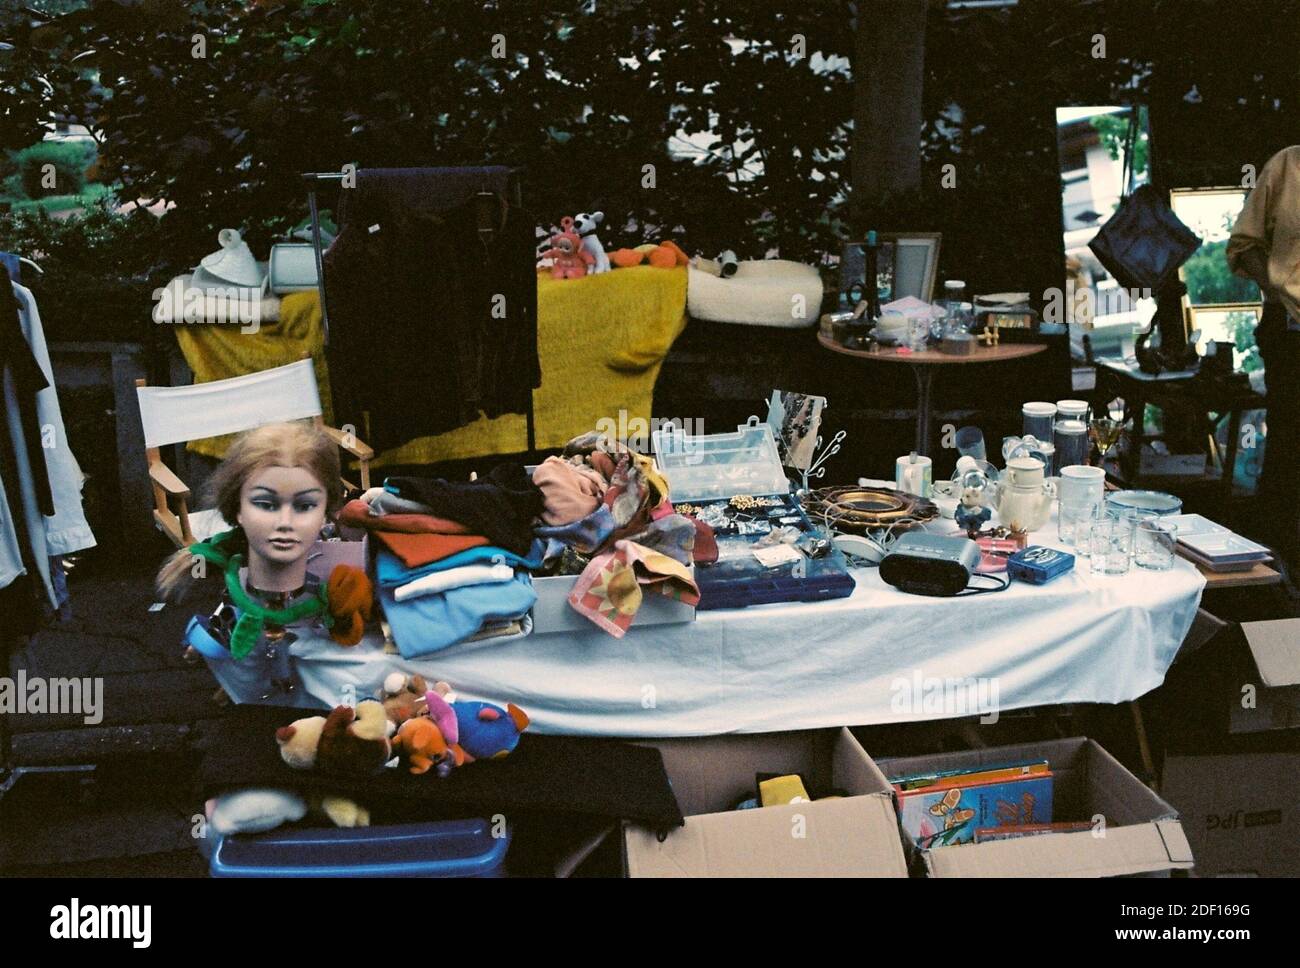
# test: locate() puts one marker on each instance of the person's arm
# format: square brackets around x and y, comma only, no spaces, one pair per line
[1248,246]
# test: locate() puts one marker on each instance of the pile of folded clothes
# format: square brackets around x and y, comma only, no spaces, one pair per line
[453,558]
[608,519]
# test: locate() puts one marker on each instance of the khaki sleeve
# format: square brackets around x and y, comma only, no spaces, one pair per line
[1254,226]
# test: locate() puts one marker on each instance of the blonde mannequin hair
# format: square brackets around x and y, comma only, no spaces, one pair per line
[274,445]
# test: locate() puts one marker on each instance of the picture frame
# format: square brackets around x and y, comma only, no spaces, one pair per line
[915,263]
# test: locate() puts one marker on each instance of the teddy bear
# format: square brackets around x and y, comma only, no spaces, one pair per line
[353,741]
[569,260]
[404,697]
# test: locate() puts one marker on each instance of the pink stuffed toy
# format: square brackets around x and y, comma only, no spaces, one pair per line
[569,259]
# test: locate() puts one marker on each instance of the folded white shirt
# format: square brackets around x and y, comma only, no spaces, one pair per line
[442,581]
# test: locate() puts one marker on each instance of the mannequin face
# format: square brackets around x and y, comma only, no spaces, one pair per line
[281,510]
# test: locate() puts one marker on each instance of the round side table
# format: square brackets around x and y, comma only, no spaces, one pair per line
[923,365]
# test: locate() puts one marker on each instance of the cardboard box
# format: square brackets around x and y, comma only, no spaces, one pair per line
[553,613]
[1142,833]
[1274,702]
[1240,811]
[855,836]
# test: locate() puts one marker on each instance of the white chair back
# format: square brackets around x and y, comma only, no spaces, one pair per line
[171,415]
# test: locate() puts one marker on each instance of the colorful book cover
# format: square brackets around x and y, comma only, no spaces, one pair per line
[964,777]
[940,816]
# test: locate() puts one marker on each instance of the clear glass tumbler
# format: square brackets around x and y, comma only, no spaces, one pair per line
[1073,518]
[1110,544]
[1154,543]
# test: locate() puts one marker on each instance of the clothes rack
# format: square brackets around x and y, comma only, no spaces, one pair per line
[314,179]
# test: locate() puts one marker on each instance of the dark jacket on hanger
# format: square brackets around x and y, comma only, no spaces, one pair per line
[432,322]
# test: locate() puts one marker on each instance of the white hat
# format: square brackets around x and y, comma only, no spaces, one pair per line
[233,263]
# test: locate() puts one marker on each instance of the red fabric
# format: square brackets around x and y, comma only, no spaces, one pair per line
[706,545]
[356,514]
[415,550]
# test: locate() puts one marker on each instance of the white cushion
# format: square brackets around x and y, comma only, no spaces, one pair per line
[770,292]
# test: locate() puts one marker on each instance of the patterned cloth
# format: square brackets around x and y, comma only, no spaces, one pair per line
[610,591]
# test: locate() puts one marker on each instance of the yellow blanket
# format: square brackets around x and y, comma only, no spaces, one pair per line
[220,352]
[601,342]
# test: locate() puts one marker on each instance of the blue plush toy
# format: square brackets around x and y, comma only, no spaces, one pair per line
[477,730]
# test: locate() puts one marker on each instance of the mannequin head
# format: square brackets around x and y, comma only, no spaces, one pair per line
[279,483]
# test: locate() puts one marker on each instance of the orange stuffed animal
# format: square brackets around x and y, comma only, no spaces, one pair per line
[666,255]
[351,599]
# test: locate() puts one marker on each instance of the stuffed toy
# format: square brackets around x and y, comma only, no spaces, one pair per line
[477,730]
[258,809]
[404,697]
[425,747]
[353,741]
[585,225]
[350,598]
[666,255]
[569,260]
[253,810]
[299,741]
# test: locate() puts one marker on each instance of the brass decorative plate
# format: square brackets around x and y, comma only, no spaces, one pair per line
[861,509]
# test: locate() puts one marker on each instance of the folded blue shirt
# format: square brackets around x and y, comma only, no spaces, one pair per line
[390,572]
[429,623]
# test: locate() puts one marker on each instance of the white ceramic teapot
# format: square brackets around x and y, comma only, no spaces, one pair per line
[1024,495]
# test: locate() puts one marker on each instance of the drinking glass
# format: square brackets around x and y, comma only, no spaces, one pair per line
[1153,544]
[1106,431]
[1110,542]
[1073,520]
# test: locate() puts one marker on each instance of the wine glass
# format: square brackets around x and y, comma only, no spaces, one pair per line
[1105,430]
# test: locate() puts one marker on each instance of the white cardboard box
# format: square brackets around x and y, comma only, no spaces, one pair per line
[553,613]
[854,836]
[1270,700]
[1240,810]
[1142,833]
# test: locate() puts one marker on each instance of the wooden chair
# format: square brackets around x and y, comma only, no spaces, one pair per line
[173,415]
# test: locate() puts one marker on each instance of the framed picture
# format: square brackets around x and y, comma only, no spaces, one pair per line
[853,270]
[915,263]
[796,419]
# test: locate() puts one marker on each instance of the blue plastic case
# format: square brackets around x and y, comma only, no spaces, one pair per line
[1039,564]
[445,848]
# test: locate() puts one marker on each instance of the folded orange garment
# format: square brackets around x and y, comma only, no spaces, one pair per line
[415,550]
[356,514]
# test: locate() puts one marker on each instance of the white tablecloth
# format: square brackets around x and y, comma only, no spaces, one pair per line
[879,656]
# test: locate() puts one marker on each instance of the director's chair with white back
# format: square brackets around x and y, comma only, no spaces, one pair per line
[175,415]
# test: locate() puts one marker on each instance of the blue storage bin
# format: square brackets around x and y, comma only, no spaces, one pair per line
[445,848]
